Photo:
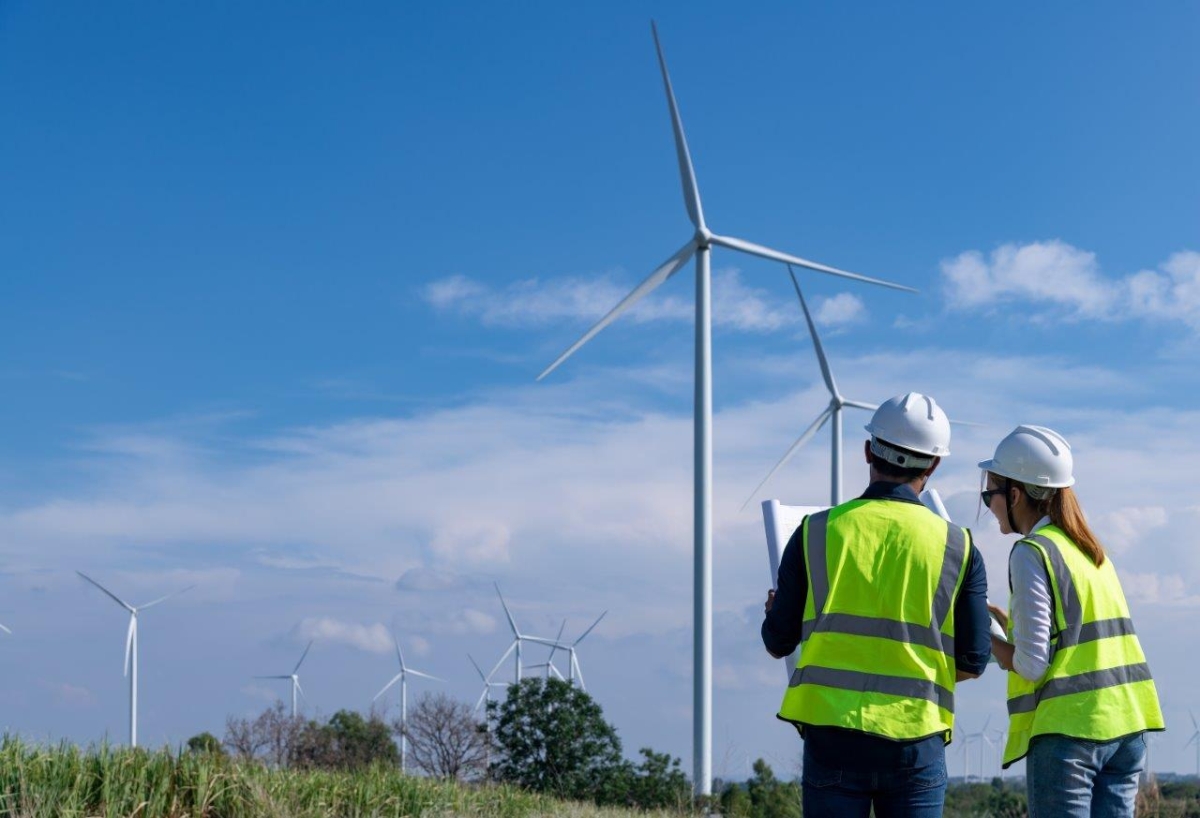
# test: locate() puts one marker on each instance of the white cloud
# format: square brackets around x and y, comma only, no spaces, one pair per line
[536,302]
[841,309]
[1056,279]
[72,695]
[372,638]
[1127,526]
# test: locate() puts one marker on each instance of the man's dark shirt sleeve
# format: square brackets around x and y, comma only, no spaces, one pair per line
[972,630]
[781,627]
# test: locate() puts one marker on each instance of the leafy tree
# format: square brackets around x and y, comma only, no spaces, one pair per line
[658,782]
[552,738]
[205,743]
[347,742]
[444,739]
[770,797]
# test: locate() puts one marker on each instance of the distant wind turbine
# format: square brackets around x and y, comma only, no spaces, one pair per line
[294,678]
[575,671]
[485,697]
[402,678]
[131,647]
[518,639]
[831,414]
[699,245]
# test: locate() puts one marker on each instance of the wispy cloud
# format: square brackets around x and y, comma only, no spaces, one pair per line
[1060,280]
[373,638]
[536,302]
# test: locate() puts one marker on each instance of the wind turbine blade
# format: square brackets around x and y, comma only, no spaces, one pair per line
[424,675]
[512,623]
[482,699]
[107,592]
[270,677]
[593,625]
[537,640]
[296,669]
[986,722]
[870,407]
[812,429]
[665,271]
[395,679]
[129,637]
[774,255]
[812,330]
[503,657]
[478,669]
[165,598]
[300,690]
[557,639]
[1194,724]
[687,175]
[399,653]
[967,423]
[5,629]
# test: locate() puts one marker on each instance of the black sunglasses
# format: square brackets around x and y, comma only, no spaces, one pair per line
[987,496]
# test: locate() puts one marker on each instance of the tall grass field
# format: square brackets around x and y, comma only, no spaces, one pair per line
[67,781]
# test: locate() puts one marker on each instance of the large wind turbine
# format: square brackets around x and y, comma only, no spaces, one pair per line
[294,678]
[402,678]
[699,245]
[131,647]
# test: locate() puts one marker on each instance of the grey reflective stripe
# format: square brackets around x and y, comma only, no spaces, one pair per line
[1080,683]
[1100,629]
[818,569]
[1072,610]
[952,566]
[874,683]
[856,625]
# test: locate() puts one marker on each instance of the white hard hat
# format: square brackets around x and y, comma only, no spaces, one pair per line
[1034,455]
[914,422]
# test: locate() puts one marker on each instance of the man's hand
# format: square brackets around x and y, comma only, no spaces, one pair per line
[770,602]
[1000,614]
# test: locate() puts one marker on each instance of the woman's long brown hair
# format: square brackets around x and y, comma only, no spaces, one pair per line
[1064,511]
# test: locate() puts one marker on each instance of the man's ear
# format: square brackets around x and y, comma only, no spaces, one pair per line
[867,451]
[932,467]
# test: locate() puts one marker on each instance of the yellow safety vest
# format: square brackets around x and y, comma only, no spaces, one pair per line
[1098,685]
[877,638]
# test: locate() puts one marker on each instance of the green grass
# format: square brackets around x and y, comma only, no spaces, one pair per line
[67,781]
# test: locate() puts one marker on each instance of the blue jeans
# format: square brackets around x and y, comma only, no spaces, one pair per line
[1076,778]
[838,792]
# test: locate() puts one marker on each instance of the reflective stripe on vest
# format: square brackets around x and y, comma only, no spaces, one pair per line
[874,683]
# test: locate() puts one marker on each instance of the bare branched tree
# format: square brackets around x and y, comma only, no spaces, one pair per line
[444,739]
[269,737]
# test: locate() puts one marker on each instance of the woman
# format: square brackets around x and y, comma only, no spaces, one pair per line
[1080,695]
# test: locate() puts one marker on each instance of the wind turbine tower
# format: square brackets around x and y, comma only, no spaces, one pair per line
[131,647]
[700,246]
[294,678]
[402,678]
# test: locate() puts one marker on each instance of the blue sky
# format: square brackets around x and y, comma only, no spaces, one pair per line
[275,284]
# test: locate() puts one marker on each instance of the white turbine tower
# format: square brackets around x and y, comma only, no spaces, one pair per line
[131,647]
[402,678]
[699,245]
[294,678]
[1195,739]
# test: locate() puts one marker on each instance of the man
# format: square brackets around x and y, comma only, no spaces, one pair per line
[890,604]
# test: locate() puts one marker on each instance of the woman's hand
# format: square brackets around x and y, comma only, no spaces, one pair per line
[770,602]
[1000,614]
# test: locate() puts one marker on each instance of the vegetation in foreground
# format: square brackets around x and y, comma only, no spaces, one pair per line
[106,781]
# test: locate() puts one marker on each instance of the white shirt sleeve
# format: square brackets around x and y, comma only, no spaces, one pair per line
[1031,610]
